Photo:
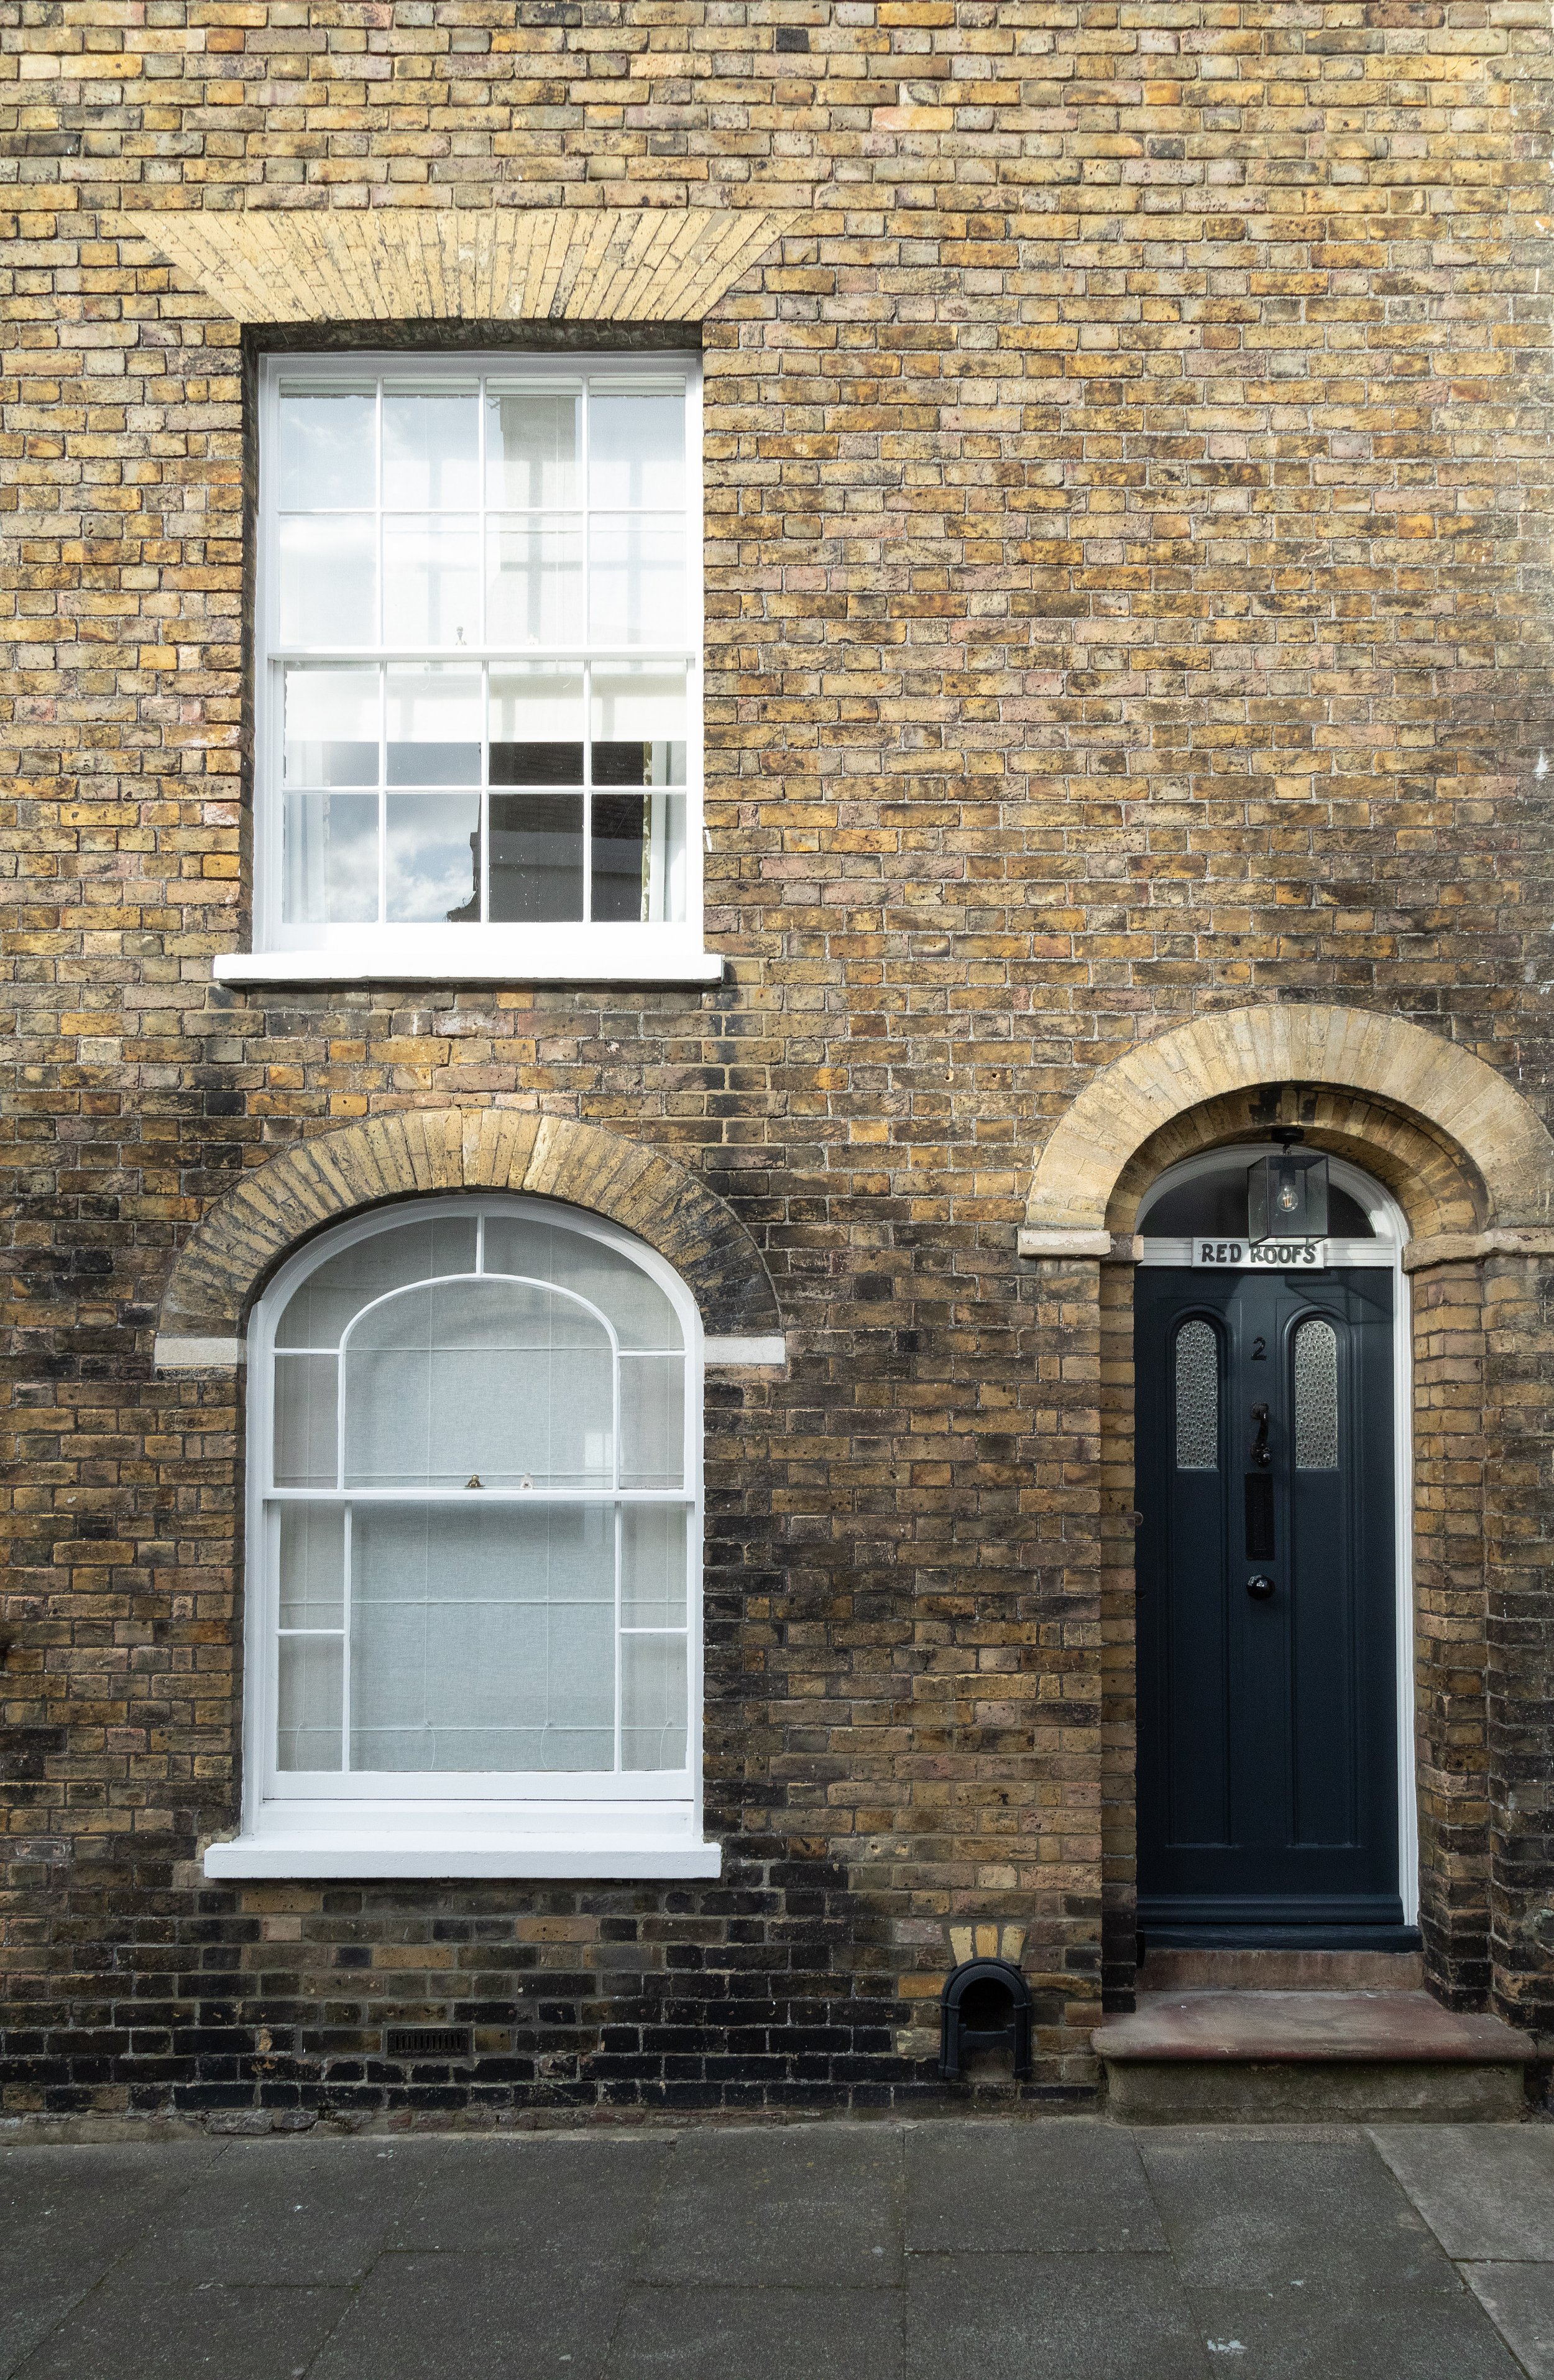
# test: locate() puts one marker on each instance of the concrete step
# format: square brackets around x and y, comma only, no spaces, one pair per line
[1303,2056]
[1282,1971]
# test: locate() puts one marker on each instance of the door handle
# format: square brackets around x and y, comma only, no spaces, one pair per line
[1260,1455]
[1259,1588]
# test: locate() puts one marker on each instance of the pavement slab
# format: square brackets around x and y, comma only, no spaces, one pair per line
[133,2331]
[552,2198]
[1518,2300]
[1257,2211]
[759,2334]
[1095,2317]
[452,2316]
[1487,2191]
[795,2207]
[1074,2185]
[1320,2333]
[303,2214]
[66,2214]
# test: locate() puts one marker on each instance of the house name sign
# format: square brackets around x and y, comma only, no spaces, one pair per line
[1259,1255]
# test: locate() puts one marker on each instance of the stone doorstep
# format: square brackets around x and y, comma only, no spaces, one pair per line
[1242,2027]
[1282,1971]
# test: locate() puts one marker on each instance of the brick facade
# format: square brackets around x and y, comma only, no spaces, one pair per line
[1126,601]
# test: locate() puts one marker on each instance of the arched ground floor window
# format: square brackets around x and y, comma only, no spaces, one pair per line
[473,1637]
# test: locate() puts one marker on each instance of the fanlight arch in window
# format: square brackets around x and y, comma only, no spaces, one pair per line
[481,1505]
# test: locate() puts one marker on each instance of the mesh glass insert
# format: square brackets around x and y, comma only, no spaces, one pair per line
[1316,1397]
[1198,1398]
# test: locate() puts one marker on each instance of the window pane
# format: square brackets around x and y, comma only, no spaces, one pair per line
[1198,1398]
[431,859]
[310,1672]
[532,448]
[431,446]
[328,859]
[638,725]
[638,856]
[1316,1397]
[329,582]
[433,725]
[535,858]
[490,1380]
[653,1702]
[320,1308]
[482,1639]
[327,448]
[536,727]
[636,581]
[652,1567]
[621,841]
[534,584]
[636,1306]
[636,449]
[432,582]
[330,726]
[652,1421]
[305,1421]
[313,1566]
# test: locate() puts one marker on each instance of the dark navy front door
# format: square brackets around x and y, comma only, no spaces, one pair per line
[1267,1616]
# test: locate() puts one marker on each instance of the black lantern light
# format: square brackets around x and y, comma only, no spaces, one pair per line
[1287,1195]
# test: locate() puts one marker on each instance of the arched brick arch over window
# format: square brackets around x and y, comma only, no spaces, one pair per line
[220,1270]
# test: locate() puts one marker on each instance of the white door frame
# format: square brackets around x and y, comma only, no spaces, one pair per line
[1383,1253]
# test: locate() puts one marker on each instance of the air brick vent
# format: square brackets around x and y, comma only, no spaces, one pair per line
[426,2041]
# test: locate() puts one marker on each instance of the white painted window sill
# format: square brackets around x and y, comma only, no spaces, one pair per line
[578,956]
[603,1841]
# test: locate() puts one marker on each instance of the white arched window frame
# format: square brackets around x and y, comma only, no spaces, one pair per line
[391,1800]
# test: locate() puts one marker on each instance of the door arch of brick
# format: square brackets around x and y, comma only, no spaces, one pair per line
[1451,1097]
[225,1263]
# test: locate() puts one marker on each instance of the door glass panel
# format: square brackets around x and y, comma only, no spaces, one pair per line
[1316,1397]
[1198,1398]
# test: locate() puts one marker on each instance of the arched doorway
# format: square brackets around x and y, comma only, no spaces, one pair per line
[1275,1738]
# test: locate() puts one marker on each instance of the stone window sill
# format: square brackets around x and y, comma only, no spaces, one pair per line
[611,1841]
[577,955]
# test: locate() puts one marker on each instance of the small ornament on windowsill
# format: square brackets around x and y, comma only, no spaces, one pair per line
[474,1480]
[526,1481]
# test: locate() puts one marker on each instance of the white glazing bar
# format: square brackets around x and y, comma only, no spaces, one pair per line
[382,791]
[617,1639]
[461,1494]
[347,1556]
[585,516]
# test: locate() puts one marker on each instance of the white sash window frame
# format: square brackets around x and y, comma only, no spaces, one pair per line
[617,1824]
[585,949]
